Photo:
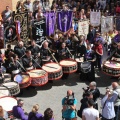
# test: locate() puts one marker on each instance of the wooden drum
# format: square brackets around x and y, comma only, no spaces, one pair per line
[69,65]
[111,68]
[38,77]
[23,80]
[54,70]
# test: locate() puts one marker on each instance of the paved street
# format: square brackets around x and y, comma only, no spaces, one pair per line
[51,94]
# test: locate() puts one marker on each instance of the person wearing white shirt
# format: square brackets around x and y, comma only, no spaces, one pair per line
[90,113]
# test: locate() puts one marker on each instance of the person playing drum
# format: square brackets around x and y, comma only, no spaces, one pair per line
[63,52]
[91,57]
[27,60]
[14,65]
[35,51]
[115,54]
[45,53]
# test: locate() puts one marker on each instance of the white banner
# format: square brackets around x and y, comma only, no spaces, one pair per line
[106,24]
[95,18]
[83,27]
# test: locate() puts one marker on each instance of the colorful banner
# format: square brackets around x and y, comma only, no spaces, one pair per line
[106,24]
[50,22]
[83,27]
[117,23]
[23,19]
[39,31]
[95,18]
[64,20]
[10,33]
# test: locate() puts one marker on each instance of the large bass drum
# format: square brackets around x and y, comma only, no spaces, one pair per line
[38,77]
[111,68]
[68,65]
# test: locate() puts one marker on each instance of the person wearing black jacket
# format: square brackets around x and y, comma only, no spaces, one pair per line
[19,49]
[95,91]
[115,53]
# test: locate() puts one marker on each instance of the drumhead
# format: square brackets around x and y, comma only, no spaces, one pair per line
[10,84]
[21,78]
[7,77]
[4,91]
[15,71]
[36,73]
[67,62]
[8,102]
[51,67]
[112,64]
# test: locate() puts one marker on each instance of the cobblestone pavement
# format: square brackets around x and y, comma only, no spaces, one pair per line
[51,94]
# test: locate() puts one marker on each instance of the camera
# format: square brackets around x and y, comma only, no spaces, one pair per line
[69,100]
[85,93]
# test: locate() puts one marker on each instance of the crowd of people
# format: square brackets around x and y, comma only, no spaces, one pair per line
[65,46]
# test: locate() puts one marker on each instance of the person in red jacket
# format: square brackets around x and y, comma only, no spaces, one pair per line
[99,53]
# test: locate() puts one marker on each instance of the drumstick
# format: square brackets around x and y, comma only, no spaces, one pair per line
[50,67]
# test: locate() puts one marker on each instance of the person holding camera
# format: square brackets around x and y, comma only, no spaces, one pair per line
[69,106]
[95,91]
[117,101]
[84,101]
[108,112]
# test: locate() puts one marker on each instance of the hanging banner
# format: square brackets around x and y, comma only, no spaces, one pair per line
[83,27]
[50,22]
[10,33]
[95,18]
[64,20]
[23,19]
[39,31]
[117,23]
[107,24]
[2,42]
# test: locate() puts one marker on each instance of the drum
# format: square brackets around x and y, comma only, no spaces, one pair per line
[7,77]
[13,87]
[23,80]
[79,61]
[38,77]
[86,67]
[4,92]
[54,70]
[111,68]
[69,66]
[8,103]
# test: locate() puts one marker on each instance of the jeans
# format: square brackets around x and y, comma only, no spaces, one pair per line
[118,114]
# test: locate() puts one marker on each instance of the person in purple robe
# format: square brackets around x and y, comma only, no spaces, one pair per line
[117,37]
[48,114]
[34,115]
[18,111]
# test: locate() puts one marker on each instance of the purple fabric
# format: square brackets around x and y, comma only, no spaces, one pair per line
[31,116]
[64,20]
[50,22]
[19,113]
[117,38]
